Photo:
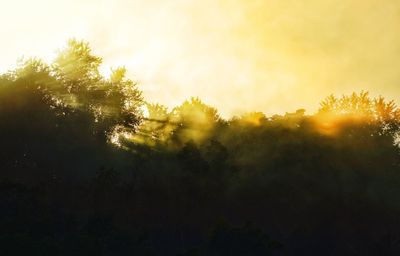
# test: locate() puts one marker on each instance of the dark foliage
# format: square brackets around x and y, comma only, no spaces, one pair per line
[84,172]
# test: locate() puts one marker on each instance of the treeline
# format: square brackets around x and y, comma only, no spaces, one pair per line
[89,167]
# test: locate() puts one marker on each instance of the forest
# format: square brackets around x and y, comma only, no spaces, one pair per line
[88,166]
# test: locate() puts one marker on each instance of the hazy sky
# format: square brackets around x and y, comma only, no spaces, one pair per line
[237,55]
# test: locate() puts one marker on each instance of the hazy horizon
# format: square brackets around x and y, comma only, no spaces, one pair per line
[271,56]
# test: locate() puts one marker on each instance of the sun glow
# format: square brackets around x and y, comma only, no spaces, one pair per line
[272,56]
[331,124]
[328,124]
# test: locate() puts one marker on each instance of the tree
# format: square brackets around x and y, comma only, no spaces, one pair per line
[361,108]
[112,101]
[53,114]
[194,120]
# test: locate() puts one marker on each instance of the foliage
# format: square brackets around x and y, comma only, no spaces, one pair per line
[84,171]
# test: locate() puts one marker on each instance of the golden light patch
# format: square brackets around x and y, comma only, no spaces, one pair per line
[331,124]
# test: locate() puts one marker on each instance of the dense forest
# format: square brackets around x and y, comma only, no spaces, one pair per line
[88,166]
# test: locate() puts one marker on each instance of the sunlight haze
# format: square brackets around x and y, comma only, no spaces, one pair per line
[237,55]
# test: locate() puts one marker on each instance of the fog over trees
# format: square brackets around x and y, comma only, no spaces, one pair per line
[88,166]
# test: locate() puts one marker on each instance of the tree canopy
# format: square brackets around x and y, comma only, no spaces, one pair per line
[90,167]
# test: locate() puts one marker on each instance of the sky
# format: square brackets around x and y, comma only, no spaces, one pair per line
[273,56]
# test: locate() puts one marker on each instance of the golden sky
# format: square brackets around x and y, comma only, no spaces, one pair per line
[237,55]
